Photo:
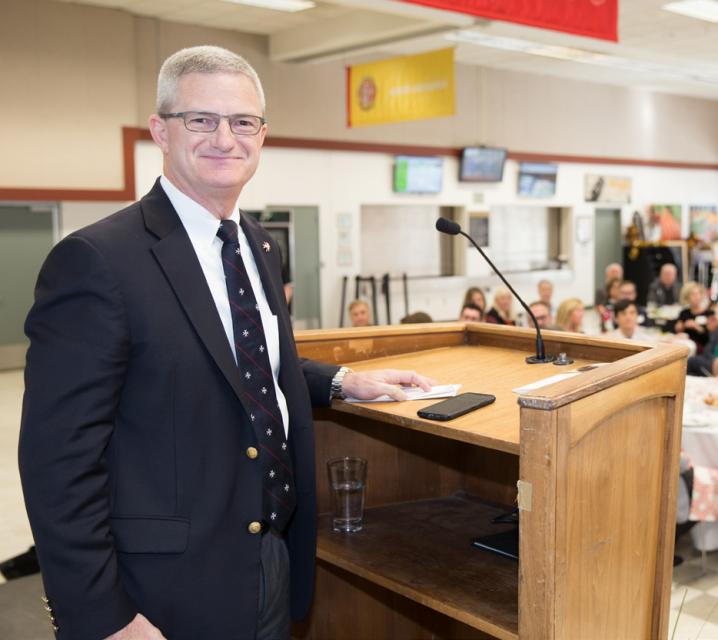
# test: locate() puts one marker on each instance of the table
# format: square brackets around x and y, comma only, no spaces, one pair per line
[700,442]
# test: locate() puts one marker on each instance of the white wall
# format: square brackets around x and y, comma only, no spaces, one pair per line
[341,182]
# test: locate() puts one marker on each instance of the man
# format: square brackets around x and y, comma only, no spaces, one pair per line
[664,290]
[545,293]
[613,271]
[167,459]
[542,312]
[470,312]
[706,363]
[627,291]
[626,317]
[359,313]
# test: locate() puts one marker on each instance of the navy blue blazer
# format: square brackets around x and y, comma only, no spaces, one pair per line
[134,433]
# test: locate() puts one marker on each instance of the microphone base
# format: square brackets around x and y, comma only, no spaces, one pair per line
[536,360]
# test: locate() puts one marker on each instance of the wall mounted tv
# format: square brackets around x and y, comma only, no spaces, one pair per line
[482,164]
[418,174]
[537,179]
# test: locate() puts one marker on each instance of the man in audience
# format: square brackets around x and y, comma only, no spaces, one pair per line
[418,317]
[545,291]
[626,317]
[613,271]
[627,291]
[664,290]
[470,312]
[706,364]
[542,312]
[359,313]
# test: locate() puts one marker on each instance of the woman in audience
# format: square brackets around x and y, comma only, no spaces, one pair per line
[569,316]
[693,318]
[476,296]
[500,312]
[605,310]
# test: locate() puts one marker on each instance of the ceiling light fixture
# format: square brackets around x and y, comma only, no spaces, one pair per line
[278,5]
[700,9]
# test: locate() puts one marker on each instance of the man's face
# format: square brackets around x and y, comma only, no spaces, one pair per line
[359,315]
[543,318]
[470,315]
[615,271]
[206,166]
[627,292]
[545,291]
[668,275]
[627,320]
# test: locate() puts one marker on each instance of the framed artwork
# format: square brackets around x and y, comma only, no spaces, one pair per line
[704,222]
[663,222]
[479,227]
[613,189]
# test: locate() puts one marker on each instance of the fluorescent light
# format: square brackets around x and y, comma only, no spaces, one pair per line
[701,9]
[278,5]
[583,56]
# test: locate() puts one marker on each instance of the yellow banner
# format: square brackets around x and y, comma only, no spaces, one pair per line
[407,88]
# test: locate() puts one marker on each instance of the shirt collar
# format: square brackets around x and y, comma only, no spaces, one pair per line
[200,224]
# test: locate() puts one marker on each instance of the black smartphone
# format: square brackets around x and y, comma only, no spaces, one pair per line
[457,406]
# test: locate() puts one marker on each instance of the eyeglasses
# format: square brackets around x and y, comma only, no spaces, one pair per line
[206,122]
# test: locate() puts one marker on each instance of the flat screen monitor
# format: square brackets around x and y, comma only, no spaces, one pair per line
[537,179]
[482,164]
[418,174]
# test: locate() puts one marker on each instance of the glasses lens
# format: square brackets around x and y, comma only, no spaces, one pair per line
[245,125]
[201,121]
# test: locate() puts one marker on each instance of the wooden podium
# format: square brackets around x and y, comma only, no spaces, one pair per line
[592,460]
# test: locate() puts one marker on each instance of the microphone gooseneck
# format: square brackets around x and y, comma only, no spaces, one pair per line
[444,225]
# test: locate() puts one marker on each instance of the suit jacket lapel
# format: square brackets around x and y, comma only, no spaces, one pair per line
[178,261]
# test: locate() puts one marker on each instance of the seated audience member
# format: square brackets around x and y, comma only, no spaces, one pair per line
[569,316]
[614,271]
[627,291]
[470,313]
[543,315]
[500,312]
[626,317]
[664,289]
[359,313]
[476,296]
[706,364]
[545,291]
[418,317]
[693,318]
[605,309]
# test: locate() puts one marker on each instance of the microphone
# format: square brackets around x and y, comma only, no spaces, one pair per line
[444,225]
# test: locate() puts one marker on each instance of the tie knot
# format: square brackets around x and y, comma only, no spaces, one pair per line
[227,231]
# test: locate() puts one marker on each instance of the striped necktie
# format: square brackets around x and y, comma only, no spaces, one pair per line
[258,384]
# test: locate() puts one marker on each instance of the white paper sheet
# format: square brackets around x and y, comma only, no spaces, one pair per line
[416,393]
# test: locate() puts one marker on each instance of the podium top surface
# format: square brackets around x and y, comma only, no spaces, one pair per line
[483,359]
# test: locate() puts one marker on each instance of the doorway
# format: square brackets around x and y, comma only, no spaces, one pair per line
[27,233]
[296,230]
[608,242]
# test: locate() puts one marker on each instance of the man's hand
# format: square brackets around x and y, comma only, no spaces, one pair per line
[139,629]
[367,385]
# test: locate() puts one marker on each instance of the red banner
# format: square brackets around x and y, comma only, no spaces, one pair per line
[592,18]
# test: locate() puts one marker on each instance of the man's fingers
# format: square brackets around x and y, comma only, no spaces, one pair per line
[394,392]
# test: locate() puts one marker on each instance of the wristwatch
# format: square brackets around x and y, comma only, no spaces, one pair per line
[337,382]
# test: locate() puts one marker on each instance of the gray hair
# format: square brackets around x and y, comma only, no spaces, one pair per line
[203,59]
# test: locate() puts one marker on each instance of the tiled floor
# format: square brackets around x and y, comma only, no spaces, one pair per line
[697,620]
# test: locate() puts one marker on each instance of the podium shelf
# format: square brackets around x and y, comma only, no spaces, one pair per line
[422,551]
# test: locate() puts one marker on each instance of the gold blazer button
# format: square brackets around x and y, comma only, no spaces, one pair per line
[252,453]
[254,527]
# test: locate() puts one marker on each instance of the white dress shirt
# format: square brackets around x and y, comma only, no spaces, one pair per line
[202,227]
